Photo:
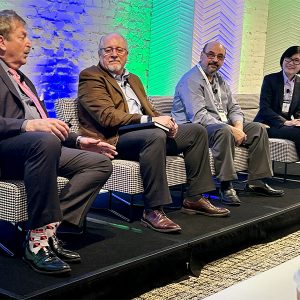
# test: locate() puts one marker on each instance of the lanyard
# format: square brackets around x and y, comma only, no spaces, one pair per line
[220,108]
[210,87]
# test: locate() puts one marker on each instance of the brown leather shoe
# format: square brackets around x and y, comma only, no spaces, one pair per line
[158,221]
[204,207]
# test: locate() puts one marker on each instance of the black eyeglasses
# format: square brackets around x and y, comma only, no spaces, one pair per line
[296,61]
[110,50]
[212,55]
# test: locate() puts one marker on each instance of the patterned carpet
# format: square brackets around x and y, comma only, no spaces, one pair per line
[229,270]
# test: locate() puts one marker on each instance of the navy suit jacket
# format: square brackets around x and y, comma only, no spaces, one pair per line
[12,114]
[271,100]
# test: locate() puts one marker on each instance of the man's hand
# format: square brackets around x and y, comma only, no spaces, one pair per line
[55,126]
[94,145]
[168,122]
[239,135]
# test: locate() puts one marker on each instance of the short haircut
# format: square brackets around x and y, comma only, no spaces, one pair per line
[206,45]
[103,37]
[7,20]
[289,53]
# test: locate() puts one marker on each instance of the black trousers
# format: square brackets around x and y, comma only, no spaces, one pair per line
[286,132]
[150,146]
[38,158]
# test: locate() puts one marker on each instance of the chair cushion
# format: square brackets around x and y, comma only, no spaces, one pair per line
[126,177]
[13,204]
[283,150]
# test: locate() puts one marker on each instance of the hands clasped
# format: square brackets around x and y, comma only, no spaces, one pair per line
[240,136]
[295,122]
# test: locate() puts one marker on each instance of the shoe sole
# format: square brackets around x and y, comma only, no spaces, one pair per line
[195,212]
[264,195]
[75,261]
[231,203]
[28,262]
[146,224]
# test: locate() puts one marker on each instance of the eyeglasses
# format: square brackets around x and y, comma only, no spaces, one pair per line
[110,50]
[211,55]
[296,61]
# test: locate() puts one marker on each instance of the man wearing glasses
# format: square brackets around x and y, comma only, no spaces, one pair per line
[202,96]
[110,97]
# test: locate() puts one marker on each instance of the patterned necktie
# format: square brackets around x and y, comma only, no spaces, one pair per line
[28,92]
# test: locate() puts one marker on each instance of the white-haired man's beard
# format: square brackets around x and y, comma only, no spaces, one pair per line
[115,67]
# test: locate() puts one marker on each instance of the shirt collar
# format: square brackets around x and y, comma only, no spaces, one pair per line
[122,77]
[286,80]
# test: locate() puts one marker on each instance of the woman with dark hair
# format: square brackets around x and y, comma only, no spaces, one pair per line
[280,99]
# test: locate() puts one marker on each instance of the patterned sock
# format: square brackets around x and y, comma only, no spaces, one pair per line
[37,239]
[51,229]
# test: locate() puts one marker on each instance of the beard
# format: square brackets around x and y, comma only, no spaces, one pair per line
[212,71]
[115,68]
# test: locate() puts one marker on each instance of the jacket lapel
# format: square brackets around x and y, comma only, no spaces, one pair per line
[296,95]
[279,89]
[9,83]
[110,79]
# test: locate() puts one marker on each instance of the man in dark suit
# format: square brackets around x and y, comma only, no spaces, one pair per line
[37,149]
[109,97]
[280,99]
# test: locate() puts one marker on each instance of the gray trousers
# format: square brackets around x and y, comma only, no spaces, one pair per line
[150,147]
[38,158]
[222,144]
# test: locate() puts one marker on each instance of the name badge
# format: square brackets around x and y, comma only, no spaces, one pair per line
[285,107]
[223,117]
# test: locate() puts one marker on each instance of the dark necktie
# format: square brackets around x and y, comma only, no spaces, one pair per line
[28,92]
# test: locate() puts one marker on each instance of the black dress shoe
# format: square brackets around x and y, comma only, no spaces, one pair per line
[45,261]
[264,190]
[230,197]
[66,255]
[69,228]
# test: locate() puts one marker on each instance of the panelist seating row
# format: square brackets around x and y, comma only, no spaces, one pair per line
[126,178]
[126,174]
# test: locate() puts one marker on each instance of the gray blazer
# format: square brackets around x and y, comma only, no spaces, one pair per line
[193,101]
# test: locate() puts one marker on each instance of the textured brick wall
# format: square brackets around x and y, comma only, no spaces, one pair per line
[65,35]
[253,45]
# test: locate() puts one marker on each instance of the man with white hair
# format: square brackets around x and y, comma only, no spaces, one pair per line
[110,97]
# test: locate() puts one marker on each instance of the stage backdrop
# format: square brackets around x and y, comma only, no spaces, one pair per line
[165,39]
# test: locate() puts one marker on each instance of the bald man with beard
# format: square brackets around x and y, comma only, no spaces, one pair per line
[202,96]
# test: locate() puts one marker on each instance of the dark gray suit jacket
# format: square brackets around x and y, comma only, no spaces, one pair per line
[12,114]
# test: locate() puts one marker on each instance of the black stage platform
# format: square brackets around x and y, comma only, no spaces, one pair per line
[121,260]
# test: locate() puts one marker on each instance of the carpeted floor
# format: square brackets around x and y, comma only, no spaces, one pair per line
[229,270]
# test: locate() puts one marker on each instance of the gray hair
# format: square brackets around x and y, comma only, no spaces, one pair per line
[7,19]
[104,36]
